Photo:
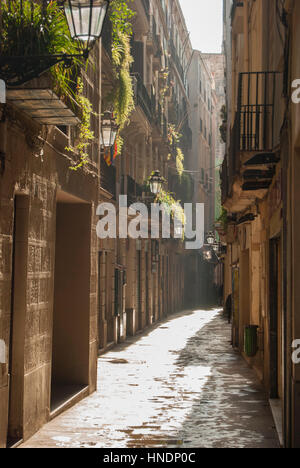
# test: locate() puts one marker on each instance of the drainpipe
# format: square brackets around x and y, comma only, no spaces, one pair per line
[3,126]
[246,36]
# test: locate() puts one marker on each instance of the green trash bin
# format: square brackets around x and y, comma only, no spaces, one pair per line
[250,341]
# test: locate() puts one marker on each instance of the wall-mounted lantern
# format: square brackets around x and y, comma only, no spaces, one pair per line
[210,238]
[109,130]
[156,181]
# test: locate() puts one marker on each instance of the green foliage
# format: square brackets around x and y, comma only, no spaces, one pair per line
[223,127]
[122,97]
[174,136]
[123,94]
[164,75]
[223,219]
[86,135]
[179,161]
[38,30]
[120,16]
[171,206]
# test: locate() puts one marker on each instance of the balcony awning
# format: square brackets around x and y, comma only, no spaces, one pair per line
[43,106]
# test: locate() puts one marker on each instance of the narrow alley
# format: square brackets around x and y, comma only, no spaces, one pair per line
[178,384]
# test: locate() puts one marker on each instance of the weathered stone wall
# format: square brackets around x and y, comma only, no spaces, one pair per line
[39,178]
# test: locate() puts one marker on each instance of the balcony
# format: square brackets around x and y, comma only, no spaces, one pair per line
[153,41]
[38,101]
[134,190]
[176,60]
[255,134]
[146,5]
[27,54]
[108,179]
[142,98]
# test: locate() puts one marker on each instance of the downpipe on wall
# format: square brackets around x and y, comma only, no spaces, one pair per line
[3,126]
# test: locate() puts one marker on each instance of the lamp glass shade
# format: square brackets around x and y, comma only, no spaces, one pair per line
[109,130]
[210,238]
[155,182]
[155,187]
[85,18]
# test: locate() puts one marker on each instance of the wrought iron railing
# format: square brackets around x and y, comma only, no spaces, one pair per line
[134,190]
[146,5]
[142,97]
[257,123]
[176,60]
[108,178]
[257,97]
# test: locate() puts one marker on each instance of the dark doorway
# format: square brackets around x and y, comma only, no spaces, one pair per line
[147,286]
[17,324]
[138,289]
[109,312]
[274,319]
[70,345]
[119,302]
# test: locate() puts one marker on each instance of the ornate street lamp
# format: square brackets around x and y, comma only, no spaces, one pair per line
[156,181]
[207,255]
[86,18]
[210,238]
[109,130]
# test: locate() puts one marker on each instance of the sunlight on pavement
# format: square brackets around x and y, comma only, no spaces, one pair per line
[177,384]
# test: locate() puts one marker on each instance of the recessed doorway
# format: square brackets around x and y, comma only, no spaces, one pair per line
[70,344]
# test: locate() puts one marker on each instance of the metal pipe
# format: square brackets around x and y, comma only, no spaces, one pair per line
[3,137]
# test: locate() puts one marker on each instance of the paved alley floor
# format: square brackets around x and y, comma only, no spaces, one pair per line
[179,384]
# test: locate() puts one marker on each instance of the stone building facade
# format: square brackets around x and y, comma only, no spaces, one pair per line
[260,193]
[65,295]
[48,263]
[145,279]
[216,65]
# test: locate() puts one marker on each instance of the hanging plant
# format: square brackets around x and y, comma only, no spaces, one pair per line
[172,206]
[223,219]
[164,75]
[122,97]
[179,161]
[173,135]
[33,29]
[86,135]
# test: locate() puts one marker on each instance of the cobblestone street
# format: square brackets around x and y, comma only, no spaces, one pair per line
[179,384]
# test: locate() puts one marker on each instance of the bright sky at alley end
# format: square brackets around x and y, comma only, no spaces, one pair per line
[204,20]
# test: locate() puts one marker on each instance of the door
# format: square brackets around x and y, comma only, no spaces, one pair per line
[275,323]
[138,289]
[119,300]
[235,306]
